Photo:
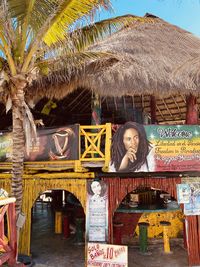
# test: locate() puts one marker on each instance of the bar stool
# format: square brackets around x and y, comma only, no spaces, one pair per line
[166,225]
[143,226]
[118,232]
[58,222]
[79,231]
[66,230]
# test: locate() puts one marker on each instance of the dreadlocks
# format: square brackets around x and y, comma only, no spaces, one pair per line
[118,149]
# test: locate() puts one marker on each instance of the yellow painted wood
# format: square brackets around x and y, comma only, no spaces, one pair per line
[79,168]
[166,239]
[58,222]
[33,187]
[107,147]
[156,231]
[92,142]
[63,175]
[92,126]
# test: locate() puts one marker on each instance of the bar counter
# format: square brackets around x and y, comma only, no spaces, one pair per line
[125,208]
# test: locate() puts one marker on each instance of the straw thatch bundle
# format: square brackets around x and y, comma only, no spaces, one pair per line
[142,60]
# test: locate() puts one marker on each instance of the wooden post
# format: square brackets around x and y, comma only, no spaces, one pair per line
[96,109]
[58,222]
[143,236]
[153,109]
[166,225]
[96,113]
[192,110]
[192,229]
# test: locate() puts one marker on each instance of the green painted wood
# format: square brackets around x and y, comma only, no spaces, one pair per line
[143,236]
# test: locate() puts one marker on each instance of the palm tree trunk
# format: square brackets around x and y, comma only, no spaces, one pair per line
[18,147]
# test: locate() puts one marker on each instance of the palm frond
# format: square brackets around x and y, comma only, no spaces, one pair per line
[89,35]
[82,39]
[69,13]
[56,25]
[25,26]
[70,62]
[51,18]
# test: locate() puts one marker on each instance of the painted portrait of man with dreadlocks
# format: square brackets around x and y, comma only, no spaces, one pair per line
[130,150]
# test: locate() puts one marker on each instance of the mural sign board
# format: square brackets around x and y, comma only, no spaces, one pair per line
[155,148]
[52,144]
[105,255]
[97,211]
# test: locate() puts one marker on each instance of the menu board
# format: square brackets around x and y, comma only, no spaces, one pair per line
[105,255]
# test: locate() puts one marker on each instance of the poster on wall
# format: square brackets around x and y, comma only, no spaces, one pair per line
[155,148]
[104,255]
[97,211]
[52,144]
[193,207]
[183,193]
[6,146]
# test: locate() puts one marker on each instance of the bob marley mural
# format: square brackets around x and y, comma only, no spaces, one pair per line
[52,144]
[155,148]
[131,150]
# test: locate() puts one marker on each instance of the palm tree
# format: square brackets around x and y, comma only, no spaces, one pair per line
[38,38]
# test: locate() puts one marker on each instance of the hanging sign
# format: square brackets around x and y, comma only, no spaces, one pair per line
[52,144]
[97,211]
[193,207]
[155,148]
[104,255]
[189,195]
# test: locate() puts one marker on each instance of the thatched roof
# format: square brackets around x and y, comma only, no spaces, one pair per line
[145,57]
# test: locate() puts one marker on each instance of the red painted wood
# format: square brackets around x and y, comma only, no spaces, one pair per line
[66,230]
[10,253]
[13,232]
[192,110]
[2,214]
[118,188]
[129,222]
[4,257]
[193,231]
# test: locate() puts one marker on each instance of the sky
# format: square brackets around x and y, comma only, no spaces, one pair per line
[183,13]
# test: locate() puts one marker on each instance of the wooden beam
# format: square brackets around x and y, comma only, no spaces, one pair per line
[167,108]
[192,110]
[161,114]
[96,109]
[153,109]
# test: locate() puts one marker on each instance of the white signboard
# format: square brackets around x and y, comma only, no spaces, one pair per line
[97,212]
[189,194]
[183,193]
[104,255]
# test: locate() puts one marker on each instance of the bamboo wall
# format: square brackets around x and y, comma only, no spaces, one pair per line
[32,189]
